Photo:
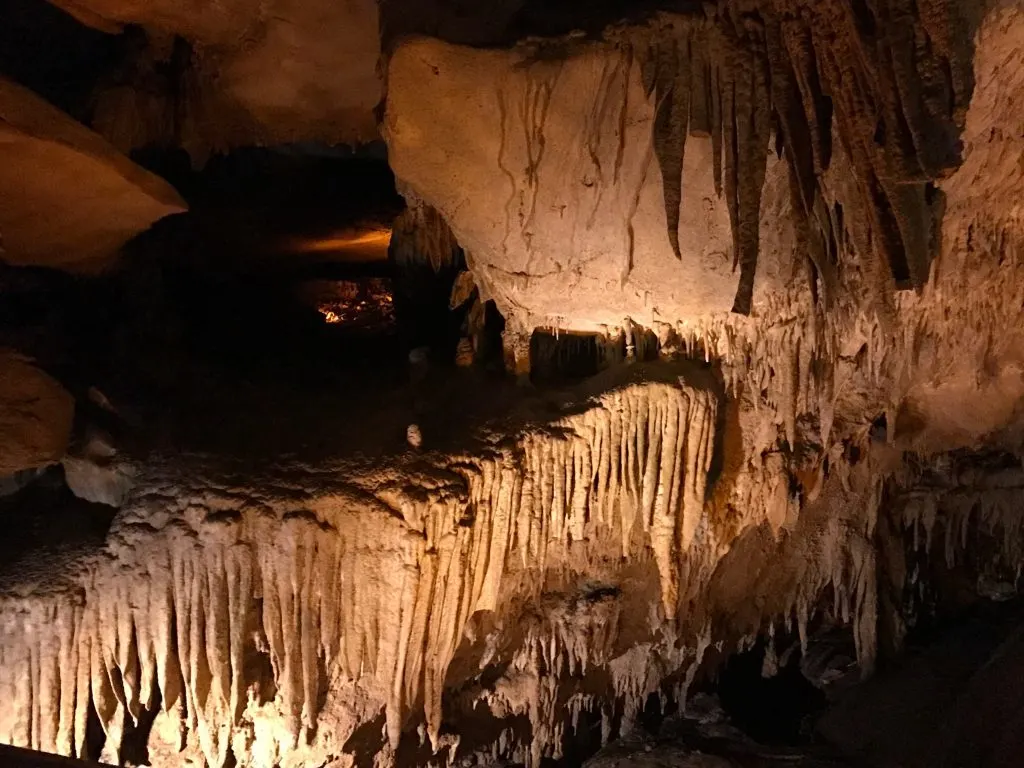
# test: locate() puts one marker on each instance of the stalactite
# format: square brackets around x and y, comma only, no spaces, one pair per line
[170,615]
[420,235]
[669,77]
[371,593]
[897,96]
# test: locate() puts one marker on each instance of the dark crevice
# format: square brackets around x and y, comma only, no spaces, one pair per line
[771,710]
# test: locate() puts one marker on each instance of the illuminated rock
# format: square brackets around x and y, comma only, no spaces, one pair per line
[583,562]
[35,416]
[557,172]
[67,198]
[556,571]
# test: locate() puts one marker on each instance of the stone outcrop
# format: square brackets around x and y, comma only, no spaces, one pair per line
[545,175]
[552,174]
[359,594]
[554,573]
[35,416]
[580,158]
[67,198]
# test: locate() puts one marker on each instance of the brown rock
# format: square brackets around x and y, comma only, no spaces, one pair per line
[258,73]
[546,173]
[35,415]
[67,198]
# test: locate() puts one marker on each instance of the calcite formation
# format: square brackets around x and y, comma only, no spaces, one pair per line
[564,571]
[550,174]
[420,237]
[548,179]
[747,187]
[270,626]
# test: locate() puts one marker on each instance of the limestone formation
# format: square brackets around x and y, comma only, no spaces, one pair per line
[561,153]
[421,237]
[67,198]
[348,593]
[544,175]
[720,211]
[269,625]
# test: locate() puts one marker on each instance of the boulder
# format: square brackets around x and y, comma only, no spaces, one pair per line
[96,481]
[35,416]
[68,199]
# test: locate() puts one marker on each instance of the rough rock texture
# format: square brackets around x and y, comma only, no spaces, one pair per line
[548,179]
[242,73]
[399,564]
[473,605]
[545,176]
[549,174]
[275,620]
[67,198]
[35,416]
[101,482]
[211,76]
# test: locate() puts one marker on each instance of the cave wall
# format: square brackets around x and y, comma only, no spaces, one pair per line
[548,162]
[737,133]
[570,573]
[544,165]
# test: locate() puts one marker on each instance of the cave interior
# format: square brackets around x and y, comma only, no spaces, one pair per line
[436,384]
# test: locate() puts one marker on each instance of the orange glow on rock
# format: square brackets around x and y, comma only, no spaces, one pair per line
[362,303]
[347,240]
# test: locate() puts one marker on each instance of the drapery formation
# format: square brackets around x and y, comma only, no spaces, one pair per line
[196,604]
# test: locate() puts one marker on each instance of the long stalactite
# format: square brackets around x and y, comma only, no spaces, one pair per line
[894,82]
